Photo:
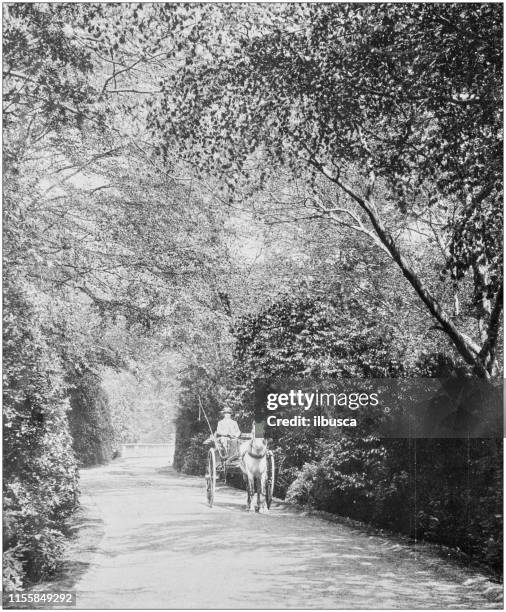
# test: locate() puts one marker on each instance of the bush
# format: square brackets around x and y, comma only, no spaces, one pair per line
[12,571]
[303,488]
[193,459]
[343,480]
[40,482]
[293,450]
[90,421]
[445,491]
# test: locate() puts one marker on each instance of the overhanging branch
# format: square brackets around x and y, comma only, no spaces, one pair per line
[466,347]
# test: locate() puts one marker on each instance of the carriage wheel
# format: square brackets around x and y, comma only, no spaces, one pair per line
[271,473]
[211,476]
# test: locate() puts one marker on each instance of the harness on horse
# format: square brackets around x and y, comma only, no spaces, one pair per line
[253,455]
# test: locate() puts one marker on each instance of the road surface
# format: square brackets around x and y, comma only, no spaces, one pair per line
[146,539]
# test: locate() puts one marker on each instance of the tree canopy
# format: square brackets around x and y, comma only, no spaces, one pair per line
[398,107]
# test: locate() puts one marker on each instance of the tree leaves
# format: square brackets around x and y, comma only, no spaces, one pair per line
[398,107]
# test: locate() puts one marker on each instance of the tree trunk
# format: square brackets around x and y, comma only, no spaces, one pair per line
[471,352]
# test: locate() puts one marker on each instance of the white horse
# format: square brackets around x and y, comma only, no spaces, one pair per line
[253,464]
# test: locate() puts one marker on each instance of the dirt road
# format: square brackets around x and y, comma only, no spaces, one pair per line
[146,539]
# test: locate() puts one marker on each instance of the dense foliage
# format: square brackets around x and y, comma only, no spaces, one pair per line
[446,491]
[40,474]
[313,337]
[398,107]
[90,421]
[201,396]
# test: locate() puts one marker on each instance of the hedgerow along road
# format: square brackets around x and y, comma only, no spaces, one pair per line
[145,538]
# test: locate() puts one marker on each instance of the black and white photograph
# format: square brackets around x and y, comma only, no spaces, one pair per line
[252,305]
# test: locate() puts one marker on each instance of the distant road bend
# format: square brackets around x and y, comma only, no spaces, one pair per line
[147,539]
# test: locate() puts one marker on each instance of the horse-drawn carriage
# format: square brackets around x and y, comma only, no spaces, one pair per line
[247,455]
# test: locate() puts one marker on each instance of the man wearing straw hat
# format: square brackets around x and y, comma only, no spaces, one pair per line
[228,432]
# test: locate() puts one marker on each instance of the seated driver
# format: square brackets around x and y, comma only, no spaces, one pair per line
[228,432]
